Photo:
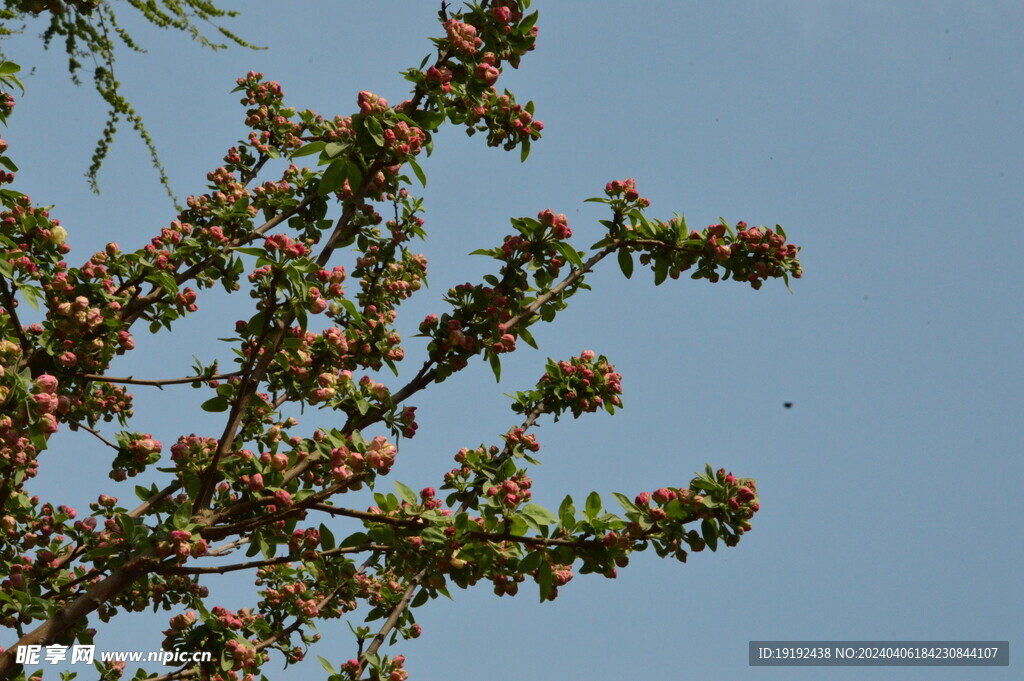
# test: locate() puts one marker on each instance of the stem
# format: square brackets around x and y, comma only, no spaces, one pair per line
[96,433]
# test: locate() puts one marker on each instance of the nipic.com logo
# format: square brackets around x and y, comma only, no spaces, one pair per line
[75,654]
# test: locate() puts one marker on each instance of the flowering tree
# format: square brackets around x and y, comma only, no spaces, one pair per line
[318,334]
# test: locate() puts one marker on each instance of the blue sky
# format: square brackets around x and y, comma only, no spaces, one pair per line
[885,138]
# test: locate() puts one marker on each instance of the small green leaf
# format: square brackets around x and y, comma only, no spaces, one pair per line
[31,295]
[525,152]
[375,130]
[420,175]
[406,492]
[421,597]
[326,538]
[567,513]
[182,516]
[625,503]
[593,507]
[544,578]
[543,516]
[660,270]
[495,366]
[334,176]
[215,404]
[626,262]
[326,665]
[710,533]
[570,253]
[355,539]
[531,562]
[308,150]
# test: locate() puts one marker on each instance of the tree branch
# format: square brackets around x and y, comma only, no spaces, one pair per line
[248,565]
[9,304]
[159,383]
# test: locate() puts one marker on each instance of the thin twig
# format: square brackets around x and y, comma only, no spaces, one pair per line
[96,433]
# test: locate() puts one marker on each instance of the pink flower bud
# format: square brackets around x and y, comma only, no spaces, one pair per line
[46,383]
[664,495]
[745,494]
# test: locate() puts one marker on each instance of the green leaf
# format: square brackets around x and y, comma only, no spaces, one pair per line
[215,404]
[31,295]
[570,253]
[327,665]
[525,152]
[710,533]
[9,164]
[626,262]
[593,507]
[332,150]
[544,578]
[422,596]
[530,522]
[182,516]
[518,526]
[406,492]
[660,270]
[543,516]
[531,562]
[625,503]
[375,130]
[567,513]
[354,539]
[495,366]
[127,526]
[334,176]
[326,538]
[308,150]
[420,175]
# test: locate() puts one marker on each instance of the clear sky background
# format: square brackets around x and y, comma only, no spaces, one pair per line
[885,137]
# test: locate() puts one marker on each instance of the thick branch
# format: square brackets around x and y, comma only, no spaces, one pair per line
[9,304]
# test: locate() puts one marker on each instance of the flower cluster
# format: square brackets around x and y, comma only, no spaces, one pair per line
[462,37]
[583,384]
[267,115]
